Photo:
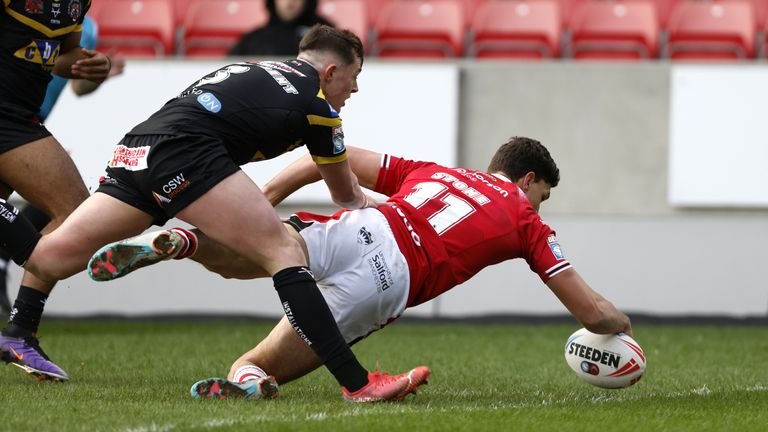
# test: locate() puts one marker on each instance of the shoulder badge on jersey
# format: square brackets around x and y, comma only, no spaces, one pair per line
[338,140]
[554,246]
[74,9]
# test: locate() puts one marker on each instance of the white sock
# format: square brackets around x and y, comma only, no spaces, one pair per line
[247,373]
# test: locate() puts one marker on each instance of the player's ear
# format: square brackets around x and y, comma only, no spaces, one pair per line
[525,181]
[329,70]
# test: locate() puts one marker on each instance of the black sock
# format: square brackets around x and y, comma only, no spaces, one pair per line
[313,321]
[17,235]
[26,313]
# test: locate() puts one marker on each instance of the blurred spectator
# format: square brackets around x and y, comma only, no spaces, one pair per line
[289,20]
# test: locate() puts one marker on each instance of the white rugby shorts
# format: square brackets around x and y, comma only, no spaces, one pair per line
[359,269]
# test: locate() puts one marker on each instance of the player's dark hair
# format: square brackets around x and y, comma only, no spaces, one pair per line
[343,43]
[521,155]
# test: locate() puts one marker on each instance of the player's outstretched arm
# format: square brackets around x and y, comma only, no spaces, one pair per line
[594,312]
[363,163]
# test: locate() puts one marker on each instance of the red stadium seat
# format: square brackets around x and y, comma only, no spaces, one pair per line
[346,14]
[711,31]
[409,28]
[624,30]
[212,27]
[664,9]
[515,29]
[373,8]
[760,10]
[567,8]
[96,7]
[136,27]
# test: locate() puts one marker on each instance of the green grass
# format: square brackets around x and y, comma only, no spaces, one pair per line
[136,377]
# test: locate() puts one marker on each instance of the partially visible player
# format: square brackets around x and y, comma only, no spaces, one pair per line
[81,87]
[37,38]
[443,226]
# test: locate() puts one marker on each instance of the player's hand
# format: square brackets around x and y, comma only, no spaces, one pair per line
[118,62]
[372,203]
[95,66]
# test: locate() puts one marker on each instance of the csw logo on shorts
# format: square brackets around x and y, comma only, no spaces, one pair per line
[209,102]
[554,246]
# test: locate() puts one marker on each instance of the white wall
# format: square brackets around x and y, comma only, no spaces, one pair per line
[718,148]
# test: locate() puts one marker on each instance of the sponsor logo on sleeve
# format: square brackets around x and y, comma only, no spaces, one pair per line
[554,246]
[209,102]
[129,158]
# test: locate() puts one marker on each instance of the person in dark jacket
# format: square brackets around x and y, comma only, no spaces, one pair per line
[289,21]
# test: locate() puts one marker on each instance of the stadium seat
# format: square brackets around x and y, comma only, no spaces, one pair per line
[212,27]
[515,29]
[373,9]
[711,31]
[664,9]
[567,8]
[346,14]
[136,27]
[96,7]
[410,28]
[607,30]
[760,10]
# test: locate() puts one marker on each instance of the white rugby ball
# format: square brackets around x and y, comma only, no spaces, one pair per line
[608,361]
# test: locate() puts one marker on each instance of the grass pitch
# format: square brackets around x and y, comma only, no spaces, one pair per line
[129,376]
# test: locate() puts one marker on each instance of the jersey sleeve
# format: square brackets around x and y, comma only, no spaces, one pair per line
[85,8]
[393,171]
[542,251]
[325,138]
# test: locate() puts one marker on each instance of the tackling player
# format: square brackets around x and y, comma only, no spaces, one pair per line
[443,226]
[184,161]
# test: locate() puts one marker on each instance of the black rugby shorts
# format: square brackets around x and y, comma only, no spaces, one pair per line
[19,126]
[163,174]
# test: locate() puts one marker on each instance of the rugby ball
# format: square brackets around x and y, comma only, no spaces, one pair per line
[608,361]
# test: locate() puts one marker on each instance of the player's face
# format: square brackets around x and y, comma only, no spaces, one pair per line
[537,193]
[341,83]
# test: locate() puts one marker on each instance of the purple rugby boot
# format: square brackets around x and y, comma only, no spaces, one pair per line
[26,354]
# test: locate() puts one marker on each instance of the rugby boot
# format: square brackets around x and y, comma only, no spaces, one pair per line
[384,387]
[26,354]
[220,388]
[117,259]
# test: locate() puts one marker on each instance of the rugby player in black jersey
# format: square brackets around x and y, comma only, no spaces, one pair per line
[184,162]
[38,37]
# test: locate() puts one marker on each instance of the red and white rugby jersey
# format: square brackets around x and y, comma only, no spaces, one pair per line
[450,223]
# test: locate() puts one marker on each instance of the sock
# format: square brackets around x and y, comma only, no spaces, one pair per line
[190,243]
[18,236]
[312,320]
[26,313]
[247,373]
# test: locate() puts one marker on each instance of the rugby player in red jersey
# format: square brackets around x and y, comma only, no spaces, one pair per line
[441,227]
